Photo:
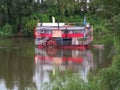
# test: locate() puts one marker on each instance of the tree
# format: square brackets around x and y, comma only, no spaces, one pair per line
[114,25]
[107,8]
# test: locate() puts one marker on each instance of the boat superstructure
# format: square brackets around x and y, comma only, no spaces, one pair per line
[61,34]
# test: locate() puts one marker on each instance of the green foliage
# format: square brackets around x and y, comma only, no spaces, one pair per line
[45,18]
[53,12]
[13,11]
[71,19]
[1,34]
[6,31]
[7,28]
[113,25]
[110,77]
[28,25]
[105,8]
[3,18]
[66,81]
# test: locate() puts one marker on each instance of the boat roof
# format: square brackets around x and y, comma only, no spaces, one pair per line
[60,28]
[50,24]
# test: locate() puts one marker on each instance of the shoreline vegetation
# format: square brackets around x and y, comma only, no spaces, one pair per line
[7,30]
[19,18]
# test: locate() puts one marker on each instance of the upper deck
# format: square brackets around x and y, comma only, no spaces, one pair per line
[56,26]
[60,30]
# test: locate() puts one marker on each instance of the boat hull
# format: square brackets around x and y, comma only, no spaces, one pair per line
[80,47]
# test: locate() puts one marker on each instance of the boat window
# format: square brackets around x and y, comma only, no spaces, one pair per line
[48,32]
[66,31]
[42,31]
[62,32]
[70,32]
[38,31]
[77,31]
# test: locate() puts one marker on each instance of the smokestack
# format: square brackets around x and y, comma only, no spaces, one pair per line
[53,19]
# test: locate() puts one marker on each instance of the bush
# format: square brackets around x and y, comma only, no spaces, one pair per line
[28,25]
[7,28]
[1,34]
[6,31]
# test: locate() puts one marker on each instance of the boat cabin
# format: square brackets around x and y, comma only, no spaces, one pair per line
[60,34]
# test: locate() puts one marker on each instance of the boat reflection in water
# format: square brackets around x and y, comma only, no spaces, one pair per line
[78,61]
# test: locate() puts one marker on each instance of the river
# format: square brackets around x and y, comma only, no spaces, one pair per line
[26,67]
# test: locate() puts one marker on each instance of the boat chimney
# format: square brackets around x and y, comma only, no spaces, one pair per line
[53,19]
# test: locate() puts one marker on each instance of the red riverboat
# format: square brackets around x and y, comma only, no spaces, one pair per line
[63,35]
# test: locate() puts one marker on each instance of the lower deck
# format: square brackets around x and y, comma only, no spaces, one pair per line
[62,41]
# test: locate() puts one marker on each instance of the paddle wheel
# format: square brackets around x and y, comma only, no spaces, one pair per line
[51,42]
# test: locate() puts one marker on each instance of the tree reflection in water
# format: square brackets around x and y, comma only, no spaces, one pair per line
[50,60]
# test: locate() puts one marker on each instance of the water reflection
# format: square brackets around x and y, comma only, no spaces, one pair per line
[71,60]
[15,74]
[3,86]
[24,67]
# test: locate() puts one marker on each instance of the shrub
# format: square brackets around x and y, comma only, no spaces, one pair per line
[6,31]
[28,25]
[1,34]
